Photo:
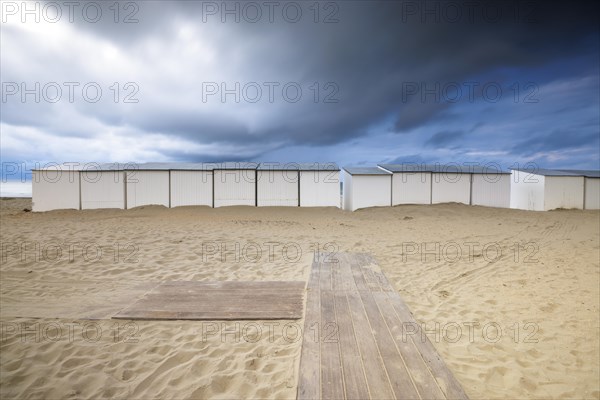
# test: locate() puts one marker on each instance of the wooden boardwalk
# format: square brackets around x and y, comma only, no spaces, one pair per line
[361,341]
[219,301]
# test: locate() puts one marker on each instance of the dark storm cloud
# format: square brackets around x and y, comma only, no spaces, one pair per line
[376,50]
[408,159]
[450,138]
[182,156]
[417,113]
[558,139]
[373,56]
[444,138]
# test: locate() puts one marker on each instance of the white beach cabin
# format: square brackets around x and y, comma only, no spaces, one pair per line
[235,184]
[490,187]
[450,183]
[549,189]
[366,187]
[320,185]
[591,187]
[591,200]
[411,183]
[147,184]
[278,184]
[56,187]
[414,183]
[191,184]
[298,184]
[102,186]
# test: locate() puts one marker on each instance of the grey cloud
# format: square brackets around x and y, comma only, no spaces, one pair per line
[557,140]
[369,54]
[407,159]
[444,138]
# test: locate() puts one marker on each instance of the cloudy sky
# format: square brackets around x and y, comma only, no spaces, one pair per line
[354,82]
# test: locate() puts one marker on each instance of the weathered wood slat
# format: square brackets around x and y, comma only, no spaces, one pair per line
[219,301]
[370,357]
[370,264]
[418,370]
[347,282]
[274,287]
[313,278]
[352,367]
[208,310]
[332,381]
[359,279]
[376,374]
[370,279]
[231,297]
[206,316]
[309,375]
[93,300]
[325,276]
[336,276]
[444,377]
[394,364]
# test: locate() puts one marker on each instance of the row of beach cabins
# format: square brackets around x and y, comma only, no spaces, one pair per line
[125,186]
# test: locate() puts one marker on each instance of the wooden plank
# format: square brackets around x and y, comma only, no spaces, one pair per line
[207,310]
[374,278]
[359,279]
[370,279]
[200,302]
[325,275]
[313,279]
[347,280]
[364,353]
[419,371]
[219,300]
[328,257]
[371,264]
[376,375]
[89,300]
[206,316]
[268,301]
[233,294]
[332,381]
[204,291]
[336,276]
[354,375]
[238,308]
[234,285]
[444,377]
[333,257]
[309,375]
[399,377]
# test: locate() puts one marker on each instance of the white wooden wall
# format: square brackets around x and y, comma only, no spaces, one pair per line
[449,187]
[411,188]
[527,191]
[320,189]
[234,188]
[368,191]
[491,190]
[347,193]
[147,188]
[55,190]
[191,188]
[592,193]
[102,189]
[277,188]
[563,192]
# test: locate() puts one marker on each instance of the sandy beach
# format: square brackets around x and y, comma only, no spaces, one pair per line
[509,298]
